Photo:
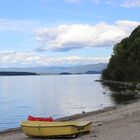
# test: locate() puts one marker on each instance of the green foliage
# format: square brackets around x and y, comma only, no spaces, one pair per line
[124,64]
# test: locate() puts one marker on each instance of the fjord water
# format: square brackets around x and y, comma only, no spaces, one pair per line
[55,96]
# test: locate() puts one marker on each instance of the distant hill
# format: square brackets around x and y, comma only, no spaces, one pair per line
[57,70]
[92,72]
[65,73]
[84,68]
[11,73]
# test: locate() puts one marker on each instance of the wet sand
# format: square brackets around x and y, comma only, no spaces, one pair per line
[113,123]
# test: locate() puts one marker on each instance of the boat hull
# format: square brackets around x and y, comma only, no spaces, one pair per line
[47,129]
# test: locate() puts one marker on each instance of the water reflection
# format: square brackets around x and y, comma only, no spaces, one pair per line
[56,96]
[123,99]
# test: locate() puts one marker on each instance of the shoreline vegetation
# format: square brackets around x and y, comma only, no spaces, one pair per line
[111,123]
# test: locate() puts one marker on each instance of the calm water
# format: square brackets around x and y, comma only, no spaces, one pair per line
[55,96]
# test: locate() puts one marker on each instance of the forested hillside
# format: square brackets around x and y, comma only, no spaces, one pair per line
[124,64]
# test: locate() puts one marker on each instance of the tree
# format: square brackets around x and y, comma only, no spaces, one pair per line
[124,64]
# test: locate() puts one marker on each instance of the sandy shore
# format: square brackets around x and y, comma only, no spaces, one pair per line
[113,123]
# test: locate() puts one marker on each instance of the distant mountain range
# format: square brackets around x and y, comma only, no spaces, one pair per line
[79,69]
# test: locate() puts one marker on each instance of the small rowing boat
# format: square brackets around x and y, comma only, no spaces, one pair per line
[49,129]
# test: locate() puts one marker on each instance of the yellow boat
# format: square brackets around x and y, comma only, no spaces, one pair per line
[48,129]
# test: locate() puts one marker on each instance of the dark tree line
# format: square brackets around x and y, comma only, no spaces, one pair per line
[12,73]
[124,64]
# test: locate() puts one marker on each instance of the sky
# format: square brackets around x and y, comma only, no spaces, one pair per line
[63,32]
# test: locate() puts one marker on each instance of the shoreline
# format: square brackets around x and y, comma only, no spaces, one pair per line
[126,85]
[65,118]
[110,123]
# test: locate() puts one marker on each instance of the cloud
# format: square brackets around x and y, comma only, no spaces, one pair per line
[22,59]
[124,3]
[130,3]
[78,36]
[18,25]
[119,3]
[72,1]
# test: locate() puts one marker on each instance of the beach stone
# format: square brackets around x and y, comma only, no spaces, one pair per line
[137,95]
[122,92]
[138,86]
[137,91]
[99,124]
[83,112]
[128,91]
[121,87]
[130,84]
[94,135]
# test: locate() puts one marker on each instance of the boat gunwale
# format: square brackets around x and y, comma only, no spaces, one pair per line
[41,126]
